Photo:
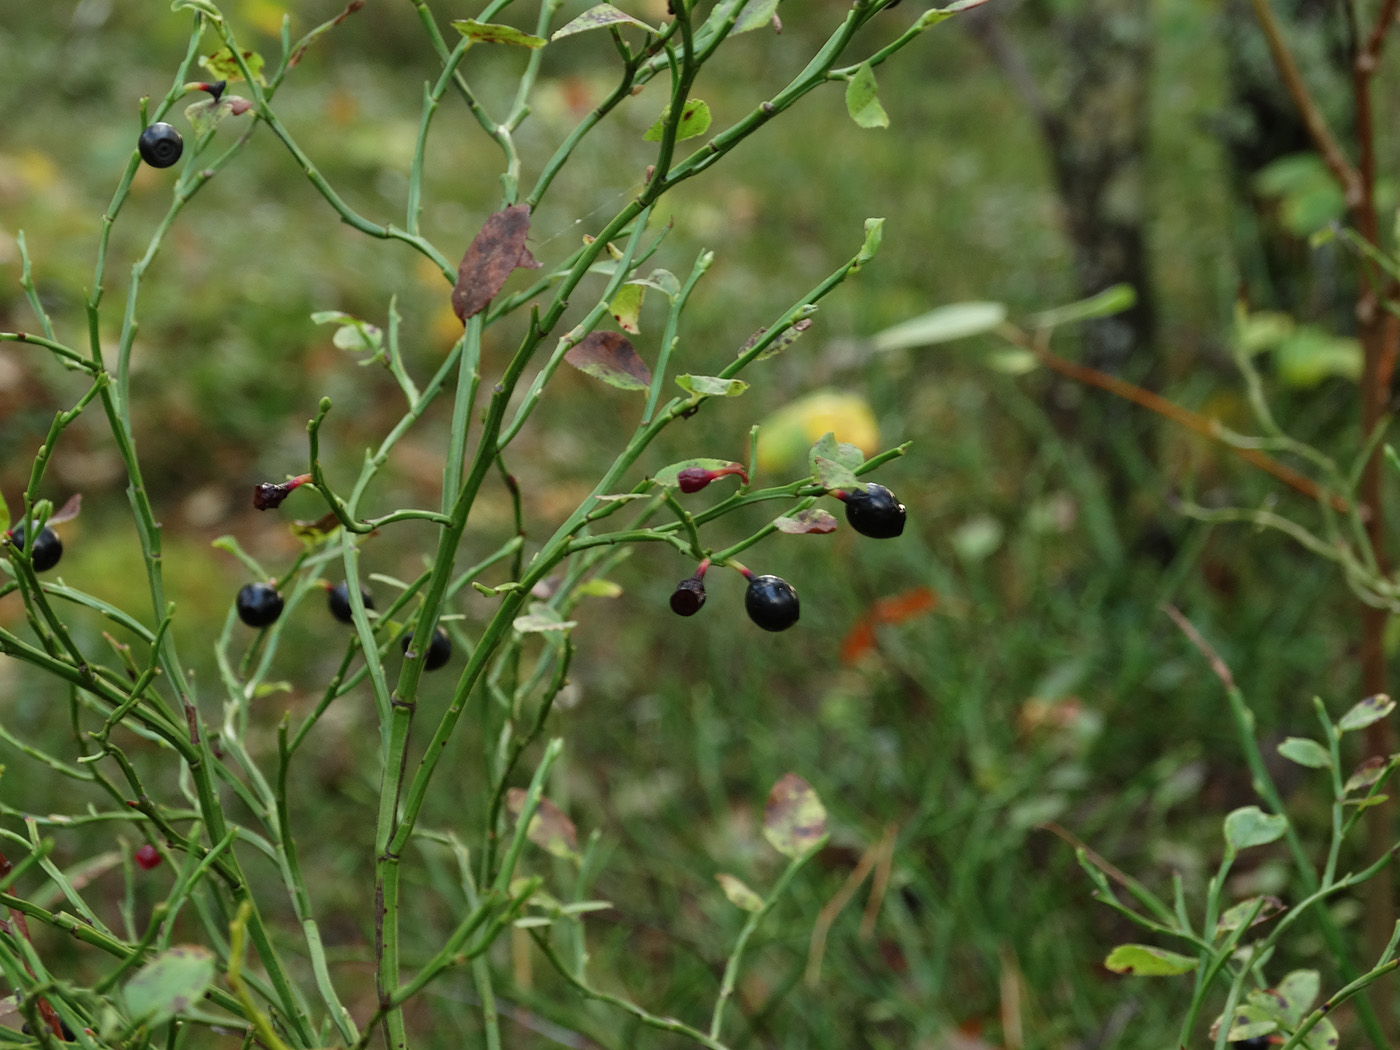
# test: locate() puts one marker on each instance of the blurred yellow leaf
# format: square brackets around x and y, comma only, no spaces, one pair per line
[788,433]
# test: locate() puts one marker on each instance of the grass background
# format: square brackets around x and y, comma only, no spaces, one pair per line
[1049,590]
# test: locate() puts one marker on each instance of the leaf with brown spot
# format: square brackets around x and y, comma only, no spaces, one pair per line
[609,356]
[548,828]
[794,821]
[812,520]
[493,255]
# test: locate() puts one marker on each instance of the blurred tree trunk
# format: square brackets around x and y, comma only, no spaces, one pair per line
[1095,129]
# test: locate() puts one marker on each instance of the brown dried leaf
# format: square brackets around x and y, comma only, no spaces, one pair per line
[609,356]
[549,828]
[493,255]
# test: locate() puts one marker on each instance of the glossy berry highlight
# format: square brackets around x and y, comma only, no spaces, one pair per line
[147,857]
[771,602]
[48,548]
[874,512]
[259,604]
[160,145]
[439,649]
[338,601]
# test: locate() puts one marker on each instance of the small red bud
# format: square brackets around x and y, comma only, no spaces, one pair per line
[147,857]
[269,496]
[693,479]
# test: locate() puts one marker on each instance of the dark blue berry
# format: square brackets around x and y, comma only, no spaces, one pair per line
[875,512]
[259,604]
[48,548]
[338,598]
[771,602]
[439,649]
[160,145]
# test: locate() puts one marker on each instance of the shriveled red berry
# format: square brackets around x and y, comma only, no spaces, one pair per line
[147,857]
[688,596]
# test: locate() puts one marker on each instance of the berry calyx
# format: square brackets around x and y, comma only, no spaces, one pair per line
[338,600]
[160,145]
[874,512]
[693,479]
[47,549]
[439,649]
[259,604]
[268,495]
[689,594]
[771,602]
[147,857]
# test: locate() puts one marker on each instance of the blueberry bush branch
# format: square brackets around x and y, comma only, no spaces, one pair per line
[515,663]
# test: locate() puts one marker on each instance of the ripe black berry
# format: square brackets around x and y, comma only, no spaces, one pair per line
[771,602]
[688,596]
[160,145]
[875,512]
[68,1035]
[1258,1042]
[439,649]
[48,548]
[259,604]
[338,598]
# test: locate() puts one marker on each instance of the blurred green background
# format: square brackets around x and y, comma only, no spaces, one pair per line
[1044,684]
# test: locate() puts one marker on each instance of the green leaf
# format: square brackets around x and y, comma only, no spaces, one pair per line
[1251,826]
[711,385]
[756,15]
[874,234]
[663,281]
[1366,774]
[1296,994]
[1322,1036]
[827,447]
[626,307]
[862,99]
[490,33]
[353,335]
[932,18]
[1143,960]
[203,6]
[1310,354]
[739,894]
[832,475]
[170,984]
[695,120]
[794,821]
[1305,752]
[1110,301]
[313,532]
[542,618]
[548,828]
[599,588]
[1370,710]
[222,65]
[785,339]
[1234,917]
[599,17]
[671,475]
[941,325]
